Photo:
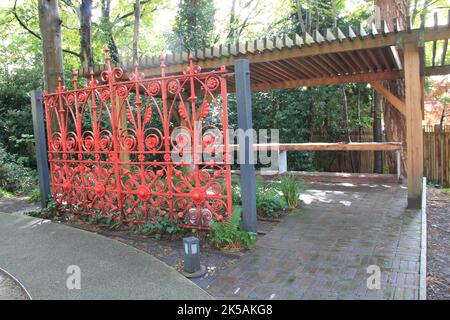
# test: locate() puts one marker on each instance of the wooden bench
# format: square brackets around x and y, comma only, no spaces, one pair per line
[283,148]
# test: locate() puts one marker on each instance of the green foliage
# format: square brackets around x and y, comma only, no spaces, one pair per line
[291,189]
[163,225]
[194,24]
[229,235]
[15,177]
[35,195]
[4,193]
[269,201]
[49,212]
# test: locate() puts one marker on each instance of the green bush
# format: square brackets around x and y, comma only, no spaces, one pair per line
[291,189]
[269,201]
[228,234]
[15,177]
[4,193]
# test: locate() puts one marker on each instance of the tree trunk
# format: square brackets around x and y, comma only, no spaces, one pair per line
[394,121]
[137,18]
[377,131]
[106,27]
[50,27]
[86,57]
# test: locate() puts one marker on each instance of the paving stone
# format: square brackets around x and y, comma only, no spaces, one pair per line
[323,250]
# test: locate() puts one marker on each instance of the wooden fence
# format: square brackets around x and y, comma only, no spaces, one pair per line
[436,155]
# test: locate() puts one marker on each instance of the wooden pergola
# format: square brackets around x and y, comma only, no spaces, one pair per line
[368,54]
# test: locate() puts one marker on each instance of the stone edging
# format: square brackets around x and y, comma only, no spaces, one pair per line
[423,245]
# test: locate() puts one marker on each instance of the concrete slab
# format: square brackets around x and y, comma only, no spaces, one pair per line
[38,253]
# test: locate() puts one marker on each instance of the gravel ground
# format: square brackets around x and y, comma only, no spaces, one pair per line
[10,290]
[438,253]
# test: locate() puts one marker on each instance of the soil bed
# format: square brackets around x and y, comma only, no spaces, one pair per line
[438,248]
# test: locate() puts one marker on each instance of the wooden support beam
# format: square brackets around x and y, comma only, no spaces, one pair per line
[389,96]
[362,77]
[414,137]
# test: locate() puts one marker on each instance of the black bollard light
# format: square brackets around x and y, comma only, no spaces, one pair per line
[192,267]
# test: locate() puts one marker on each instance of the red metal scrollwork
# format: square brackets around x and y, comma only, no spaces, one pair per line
[139,149]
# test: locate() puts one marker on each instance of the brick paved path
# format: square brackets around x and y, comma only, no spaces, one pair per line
[323,250]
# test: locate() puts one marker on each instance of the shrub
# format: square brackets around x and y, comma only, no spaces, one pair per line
[4,193]
[291,189]
[229,235]
[269,201]
[14,175]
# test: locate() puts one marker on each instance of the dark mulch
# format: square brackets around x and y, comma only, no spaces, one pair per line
[438,249]
[170,251]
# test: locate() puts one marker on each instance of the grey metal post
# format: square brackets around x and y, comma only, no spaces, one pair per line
[37,111]
[247,169]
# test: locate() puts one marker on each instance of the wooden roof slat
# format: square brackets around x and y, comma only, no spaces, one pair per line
[363,58]
[318,37]
[306,65]
[382,55]
[300,70]
[275,74]
[241,47]
[433,57]
[225,50]
[337,63]
[351,33]
[374,60]
[312,62]
[280,68]
[259,44]
[384,28]
[287,41]
[373,29]
[340,35]
[255,70]
[308,40]
[362,67]
[268,44]
[250,46]
[296,64]
[278,43]
[349,66]
[330,36]
[298,41]
[362,31]
[444,52]
[199,54]
[331,65]
[397,26]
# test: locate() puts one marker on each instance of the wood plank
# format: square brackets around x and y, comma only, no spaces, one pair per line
[389,96]
[414,137]
[391,39]
[324,146]
[362,77]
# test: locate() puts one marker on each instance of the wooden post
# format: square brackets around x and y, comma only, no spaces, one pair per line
[414,137]
[247,169]
[40,142]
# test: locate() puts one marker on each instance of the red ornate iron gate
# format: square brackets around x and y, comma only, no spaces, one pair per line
[137,149]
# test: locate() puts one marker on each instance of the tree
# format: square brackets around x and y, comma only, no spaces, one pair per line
[394,121]
[137,17]
[50,28]
[194,25]
[86,57]
[107,27]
